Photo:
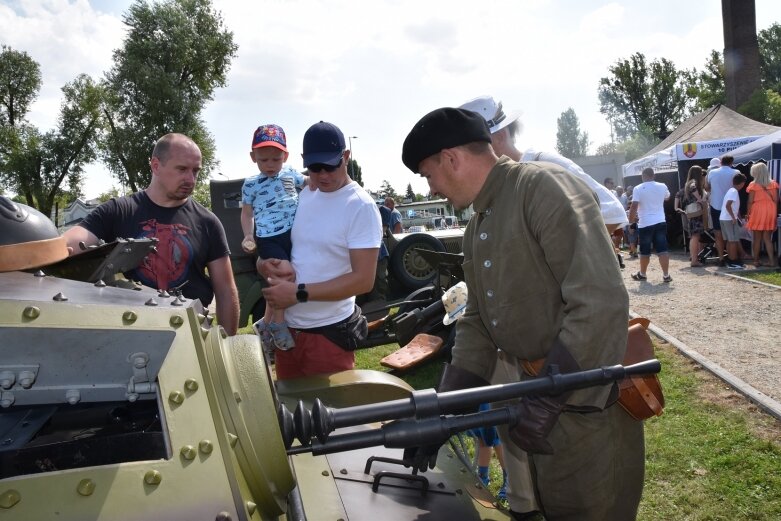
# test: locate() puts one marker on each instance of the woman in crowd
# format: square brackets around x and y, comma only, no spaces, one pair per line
[693,192]
[762,211]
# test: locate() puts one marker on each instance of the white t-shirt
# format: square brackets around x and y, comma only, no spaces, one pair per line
[650,197]
[327,226]
[613,212]
[731,195]
[720,180]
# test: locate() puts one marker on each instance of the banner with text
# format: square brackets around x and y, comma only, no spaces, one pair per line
[709,149]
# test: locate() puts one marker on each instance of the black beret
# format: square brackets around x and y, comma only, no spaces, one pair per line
[440,129]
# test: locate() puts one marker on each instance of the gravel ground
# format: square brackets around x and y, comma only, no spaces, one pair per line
[734,323]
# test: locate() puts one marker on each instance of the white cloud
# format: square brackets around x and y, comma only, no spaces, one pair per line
[375,67]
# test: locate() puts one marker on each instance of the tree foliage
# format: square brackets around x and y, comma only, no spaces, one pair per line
[707,86]
[386,190]
[174,57]
[354,169]
[45,167]
[770,57]
[20,81]
[410,194]
[638,94]
[570,141]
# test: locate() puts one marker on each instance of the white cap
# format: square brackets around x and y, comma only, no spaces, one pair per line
[714,163]
[454,300]
[492,112]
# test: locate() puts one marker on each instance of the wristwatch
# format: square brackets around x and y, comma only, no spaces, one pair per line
[302,295]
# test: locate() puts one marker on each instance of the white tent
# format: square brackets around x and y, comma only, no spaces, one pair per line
[761,148]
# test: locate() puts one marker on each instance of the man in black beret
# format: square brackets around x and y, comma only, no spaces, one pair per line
[544,289]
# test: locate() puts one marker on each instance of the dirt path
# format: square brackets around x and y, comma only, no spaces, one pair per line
[735,324]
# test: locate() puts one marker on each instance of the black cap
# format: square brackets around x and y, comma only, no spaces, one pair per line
[440,129]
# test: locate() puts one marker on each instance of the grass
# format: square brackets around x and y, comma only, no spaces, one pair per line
[768,277]
[710,456]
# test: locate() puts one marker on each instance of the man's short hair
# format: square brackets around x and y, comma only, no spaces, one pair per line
[163,145]
[726,160]
[738,179]
[648,172]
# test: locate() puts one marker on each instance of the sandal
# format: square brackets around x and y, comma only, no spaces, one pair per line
[262,330]
[639,276]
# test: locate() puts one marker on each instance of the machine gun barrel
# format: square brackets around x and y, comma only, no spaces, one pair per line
[427,406]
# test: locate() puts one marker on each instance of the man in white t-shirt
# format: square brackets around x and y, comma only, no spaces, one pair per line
[648,209]
[719,181]
[336,238]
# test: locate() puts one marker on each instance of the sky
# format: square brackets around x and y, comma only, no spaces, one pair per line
[374,68]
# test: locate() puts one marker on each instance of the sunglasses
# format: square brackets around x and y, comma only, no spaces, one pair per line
[319,167]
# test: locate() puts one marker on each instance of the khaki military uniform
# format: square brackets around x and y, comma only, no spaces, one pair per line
[540,266]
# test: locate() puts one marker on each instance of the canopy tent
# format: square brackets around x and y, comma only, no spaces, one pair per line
[767,149]
[711,133]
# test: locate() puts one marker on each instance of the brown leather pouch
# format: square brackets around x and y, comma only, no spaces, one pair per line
[640,396]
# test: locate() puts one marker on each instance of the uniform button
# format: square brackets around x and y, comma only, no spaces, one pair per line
[483,236]
[488,212]
[487,264]
[494,322]
[490,293]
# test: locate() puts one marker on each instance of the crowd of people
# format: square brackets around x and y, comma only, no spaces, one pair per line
[544,286]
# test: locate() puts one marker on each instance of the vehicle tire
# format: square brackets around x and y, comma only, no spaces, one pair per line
[408,267]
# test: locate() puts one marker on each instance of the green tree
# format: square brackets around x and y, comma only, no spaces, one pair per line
[37,165]
[707,86]
[770,57]
[354,169]
[386,190]
[410,194]
[20,81]
[175,55]
[570,141]
[202,195]
[606,148]
[637,94]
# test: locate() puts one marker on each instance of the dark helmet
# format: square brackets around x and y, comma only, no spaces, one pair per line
[28,239]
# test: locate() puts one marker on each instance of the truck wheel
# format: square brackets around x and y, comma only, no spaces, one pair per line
[410,268]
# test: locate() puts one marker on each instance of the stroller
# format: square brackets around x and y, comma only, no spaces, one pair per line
[708,250]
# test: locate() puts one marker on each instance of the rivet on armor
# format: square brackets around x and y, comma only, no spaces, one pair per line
[201,317]
[223,333]
[72,396]
[251,507]
[176,321]
[176,302]
[100,284]
[9,498]
[31,312]
[7,379]
[205,446]
[176,397]
[223,516]
[153,477]
[129,317]
[325,473]
[150,302]
[232,439]
[237,396]
[343,471]
[59,297]
[26,379]
[163,294]
[86,487]
[191,384]
[39,273]
[188,452]
[6,400]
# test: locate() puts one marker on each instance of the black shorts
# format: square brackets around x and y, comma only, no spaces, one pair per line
[714,218]
[274,247]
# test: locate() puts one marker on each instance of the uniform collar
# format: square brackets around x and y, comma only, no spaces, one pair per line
[492,186]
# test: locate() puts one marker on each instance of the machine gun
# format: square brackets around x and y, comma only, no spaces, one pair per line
[428,417]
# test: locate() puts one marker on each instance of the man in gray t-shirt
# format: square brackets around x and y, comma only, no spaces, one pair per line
[719,181]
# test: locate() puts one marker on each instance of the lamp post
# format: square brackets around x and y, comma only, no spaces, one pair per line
[350,139]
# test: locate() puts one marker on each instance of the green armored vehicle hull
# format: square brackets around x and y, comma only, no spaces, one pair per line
[131,405]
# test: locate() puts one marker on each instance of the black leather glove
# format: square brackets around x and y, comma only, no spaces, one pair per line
[452,379]
[537,415]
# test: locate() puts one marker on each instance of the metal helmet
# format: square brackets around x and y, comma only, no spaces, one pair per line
[28,239]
